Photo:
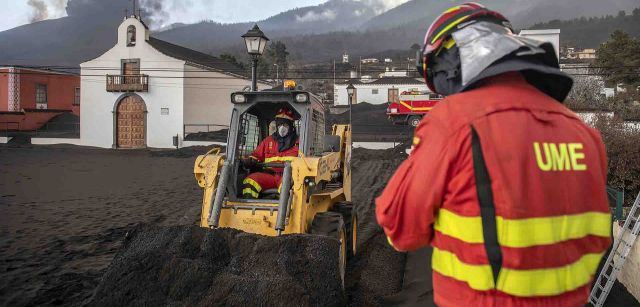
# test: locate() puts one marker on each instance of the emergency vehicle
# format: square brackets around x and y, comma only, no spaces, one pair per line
[411,106]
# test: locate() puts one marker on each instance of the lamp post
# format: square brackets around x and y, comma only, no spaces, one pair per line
[350,91]
[255,41]
[277,70]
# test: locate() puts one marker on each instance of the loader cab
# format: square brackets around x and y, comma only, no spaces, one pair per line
[252,120]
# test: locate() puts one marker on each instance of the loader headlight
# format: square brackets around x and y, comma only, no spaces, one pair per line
[238,98]
[302,98]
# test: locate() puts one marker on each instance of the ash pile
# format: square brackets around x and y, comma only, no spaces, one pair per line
[193,266]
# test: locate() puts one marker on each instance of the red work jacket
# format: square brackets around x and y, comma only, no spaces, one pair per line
[267,151]
[547,173]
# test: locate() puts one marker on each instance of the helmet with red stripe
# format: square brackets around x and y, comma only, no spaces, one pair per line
[285,113]
[285,116]
[448,22]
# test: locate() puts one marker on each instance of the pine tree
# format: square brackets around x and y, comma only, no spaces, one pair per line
[618,59]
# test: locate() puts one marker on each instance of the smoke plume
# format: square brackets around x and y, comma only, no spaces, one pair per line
[40,11]
[156,11]
[313,16]
[381,6]
[46,9]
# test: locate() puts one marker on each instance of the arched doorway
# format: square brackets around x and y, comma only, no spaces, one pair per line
[130,123]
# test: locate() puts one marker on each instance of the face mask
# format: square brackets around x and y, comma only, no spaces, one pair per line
[283,131]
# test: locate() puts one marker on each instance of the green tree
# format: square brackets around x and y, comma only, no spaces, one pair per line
[277,54]
[228,57]
[618,59]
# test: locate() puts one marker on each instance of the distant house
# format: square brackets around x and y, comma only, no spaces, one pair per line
[369,61]
[393,73]
[546,35]
[590,115]
[586,54]
[143,92]
[31,97]
[375,91]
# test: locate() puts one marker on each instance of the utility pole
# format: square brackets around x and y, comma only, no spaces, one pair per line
[277,72]
[334,81]
[408,66]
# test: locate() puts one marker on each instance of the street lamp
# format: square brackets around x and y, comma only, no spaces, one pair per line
[255,41]
[277,71]
[350,91]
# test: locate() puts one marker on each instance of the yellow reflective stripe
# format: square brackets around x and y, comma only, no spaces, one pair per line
[253,183]
[250,192]
[551,281]
[447,28]
[478,277]
[278,159]
[416,140]
[406,105]
[526,232]
[537,282]
[451,10]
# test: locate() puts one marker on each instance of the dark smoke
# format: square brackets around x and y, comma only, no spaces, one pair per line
[40,11]
[154,11]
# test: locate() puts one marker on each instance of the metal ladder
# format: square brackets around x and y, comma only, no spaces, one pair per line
[619,252]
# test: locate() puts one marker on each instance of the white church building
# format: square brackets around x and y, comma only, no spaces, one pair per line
[143,92]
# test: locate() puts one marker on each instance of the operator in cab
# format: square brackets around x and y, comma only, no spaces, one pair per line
[281,146]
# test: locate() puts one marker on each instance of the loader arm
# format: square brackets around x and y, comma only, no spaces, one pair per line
[206,170]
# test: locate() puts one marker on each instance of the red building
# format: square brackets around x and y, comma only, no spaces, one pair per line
[29,98]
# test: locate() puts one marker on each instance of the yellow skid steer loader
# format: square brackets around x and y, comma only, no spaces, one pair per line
[315,193]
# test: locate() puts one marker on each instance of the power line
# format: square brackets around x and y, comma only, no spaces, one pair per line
[327,68]
[300,72]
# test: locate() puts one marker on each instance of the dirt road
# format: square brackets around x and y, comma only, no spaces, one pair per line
[64,212]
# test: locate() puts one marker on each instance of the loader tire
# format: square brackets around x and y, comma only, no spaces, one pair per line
[330,224]
[350,218]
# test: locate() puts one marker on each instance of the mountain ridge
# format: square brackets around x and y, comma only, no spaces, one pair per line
[312,34]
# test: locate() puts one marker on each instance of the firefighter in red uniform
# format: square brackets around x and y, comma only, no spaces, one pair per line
[504,182]
[281,146]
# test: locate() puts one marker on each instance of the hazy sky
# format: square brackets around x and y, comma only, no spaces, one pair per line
[19,12]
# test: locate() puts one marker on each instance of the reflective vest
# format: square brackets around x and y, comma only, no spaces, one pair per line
[508,186]
[267,151]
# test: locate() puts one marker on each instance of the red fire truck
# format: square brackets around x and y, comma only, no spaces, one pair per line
[411,106]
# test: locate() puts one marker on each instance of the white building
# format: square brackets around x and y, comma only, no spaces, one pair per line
[586,54]
[144,91]
[369,61]
[345,58]
[547,35]
[376,91]
[393,73]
